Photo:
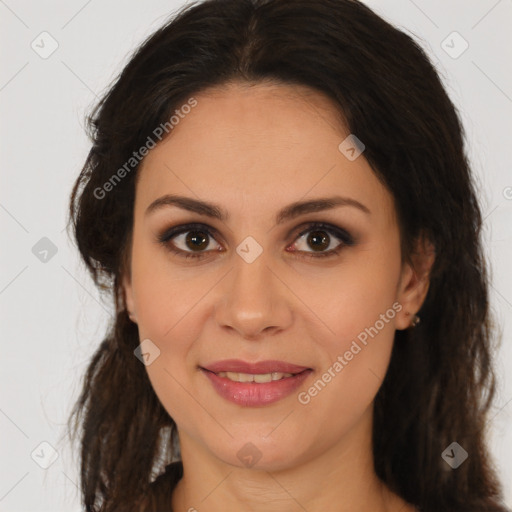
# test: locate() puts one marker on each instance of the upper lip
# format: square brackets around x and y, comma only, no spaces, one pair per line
[239,366]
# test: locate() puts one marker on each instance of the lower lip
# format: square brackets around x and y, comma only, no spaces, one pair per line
[253,394]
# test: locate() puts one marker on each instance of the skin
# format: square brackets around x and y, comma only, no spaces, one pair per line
[253,150]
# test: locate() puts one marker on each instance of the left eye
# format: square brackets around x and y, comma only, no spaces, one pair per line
[320,239]
[197,236]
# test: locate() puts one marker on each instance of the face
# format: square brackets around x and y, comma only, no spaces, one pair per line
[323,290]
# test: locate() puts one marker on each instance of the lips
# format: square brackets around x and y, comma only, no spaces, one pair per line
[270,383]
[261,367]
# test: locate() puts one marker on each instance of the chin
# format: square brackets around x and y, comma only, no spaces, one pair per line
[256,453]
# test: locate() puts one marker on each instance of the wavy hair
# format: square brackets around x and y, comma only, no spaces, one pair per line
[440,382]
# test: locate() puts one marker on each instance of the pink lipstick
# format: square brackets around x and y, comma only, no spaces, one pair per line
[255,384]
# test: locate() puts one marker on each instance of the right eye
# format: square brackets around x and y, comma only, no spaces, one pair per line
[195,236]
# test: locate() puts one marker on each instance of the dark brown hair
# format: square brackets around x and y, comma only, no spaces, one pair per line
[440,383]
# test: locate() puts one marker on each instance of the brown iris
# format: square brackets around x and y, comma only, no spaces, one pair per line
[197,241]
[318,240]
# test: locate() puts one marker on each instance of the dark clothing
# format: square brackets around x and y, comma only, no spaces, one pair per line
[159,499]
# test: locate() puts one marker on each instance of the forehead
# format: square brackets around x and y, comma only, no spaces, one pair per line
[253,145]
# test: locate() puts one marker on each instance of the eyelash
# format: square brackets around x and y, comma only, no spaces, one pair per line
[346,239]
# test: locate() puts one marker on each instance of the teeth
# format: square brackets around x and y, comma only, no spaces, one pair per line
[259,378]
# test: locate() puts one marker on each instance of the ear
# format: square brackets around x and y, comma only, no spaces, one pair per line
[128,297]
[414,282]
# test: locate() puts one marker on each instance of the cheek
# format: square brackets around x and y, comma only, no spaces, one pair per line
[355,296]
[355,364]
[167,308]
[359,307]
[169,319]
[168,301]
[366,288]
[165,295]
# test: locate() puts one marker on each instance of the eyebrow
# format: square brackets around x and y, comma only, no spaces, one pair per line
[287,213]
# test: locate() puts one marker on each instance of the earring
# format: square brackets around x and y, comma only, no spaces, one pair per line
[415,320]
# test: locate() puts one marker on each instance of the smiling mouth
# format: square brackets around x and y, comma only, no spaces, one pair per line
[255,389]
[254,384]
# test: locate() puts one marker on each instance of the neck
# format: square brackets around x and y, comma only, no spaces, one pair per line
[342,474]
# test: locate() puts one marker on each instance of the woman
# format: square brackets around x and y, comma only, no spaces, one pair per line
[278,196]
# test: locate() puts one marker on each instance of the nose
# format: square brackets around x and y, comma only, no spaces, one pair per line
[253,302]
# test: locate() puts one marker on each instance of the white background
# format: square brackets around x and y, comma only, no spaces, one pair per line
[52,317]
